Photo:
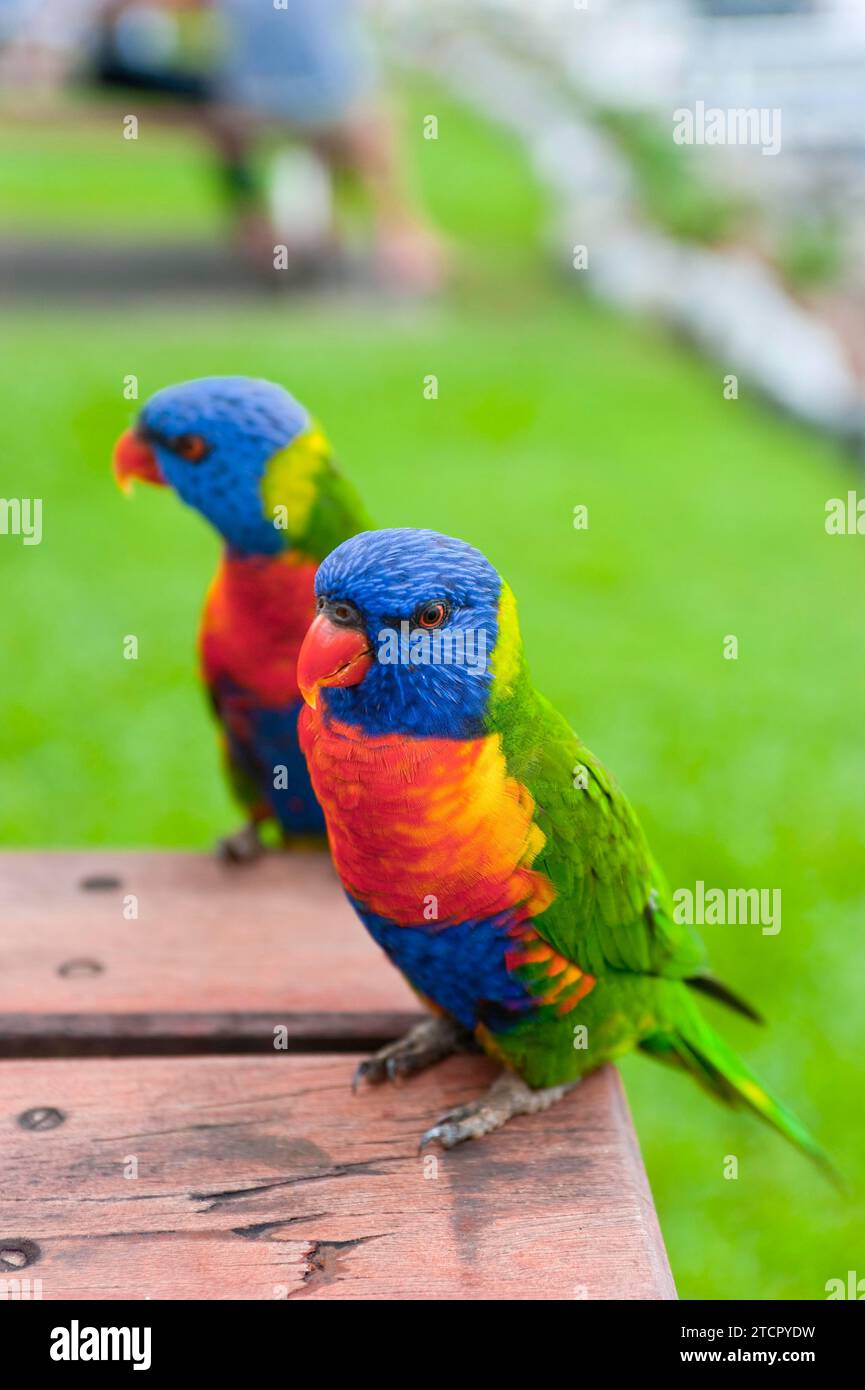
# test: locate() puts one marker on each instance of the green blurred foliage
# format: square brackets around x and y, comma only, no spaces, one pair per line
[670,181]
[811,249]
[706,519]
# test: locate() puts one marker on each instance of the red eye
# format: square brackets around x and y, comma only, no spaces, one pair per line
[432,614]
[190,447]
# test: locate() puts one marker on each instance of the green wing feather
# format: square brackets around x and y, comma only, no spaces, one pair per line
[612,908]
[612,913]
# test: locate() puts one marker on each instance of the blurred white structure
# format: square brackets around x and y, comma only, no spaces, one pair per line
[539,68]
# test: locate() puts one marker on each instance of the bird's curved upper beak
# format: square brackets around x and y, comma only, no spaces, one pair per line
[331,654]
[134,458]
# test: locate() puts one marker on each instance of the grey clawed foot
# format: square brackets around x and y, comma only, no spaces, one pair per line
[426,1043]
[508,1096]
[242,847]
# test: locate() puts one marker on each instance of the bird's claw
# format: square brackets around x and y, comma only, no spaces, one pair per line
[447,1133]
[508,1096]
[426,1043]
[465,1122]
[371,1070]
[242,847]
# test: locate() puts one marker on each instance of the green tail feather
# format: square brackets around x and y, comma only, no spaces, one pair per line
[716,1066]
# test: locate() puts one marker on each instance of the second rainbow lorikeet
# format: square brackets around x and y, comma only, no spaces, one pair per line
[248,457]
[486,849]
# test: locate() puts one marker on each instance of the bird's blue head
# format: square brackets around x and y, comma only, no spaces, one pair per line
[404,640]
[212,440]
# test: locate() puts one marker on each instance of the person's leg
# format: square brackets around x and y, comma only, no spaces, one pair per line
[365,145]
[232,135]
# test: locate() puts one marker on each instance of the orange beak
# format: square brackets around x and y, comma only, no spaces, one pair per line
[135,459]
[331,655]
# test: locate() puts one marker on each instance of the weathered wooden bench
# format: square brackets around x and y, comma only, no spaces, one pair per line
[177,1041]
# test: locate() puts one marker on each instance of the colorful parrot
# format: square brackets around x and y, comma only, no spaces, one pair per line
[247,456]
[486,849]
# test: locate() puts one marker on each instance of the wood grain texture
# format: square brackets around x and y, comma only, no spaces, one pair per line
[214,951]
[262,1178]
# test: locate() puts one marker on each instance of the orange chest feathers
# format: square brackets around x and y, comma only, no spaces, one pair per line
[255,618]
[425,829]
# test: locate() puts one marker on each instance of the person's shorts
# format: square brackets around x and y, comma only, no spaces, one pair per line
[306,65]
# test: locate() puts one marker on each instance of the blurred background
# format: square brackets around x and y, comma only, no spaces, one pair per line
[350,198]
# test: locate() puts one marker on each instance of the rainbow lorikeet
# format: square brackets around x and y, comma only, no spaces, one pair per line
[486,849]
[247,456]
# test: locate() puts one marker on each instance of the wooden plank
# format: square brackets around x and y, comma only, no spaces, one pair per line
[145,1035]
[213,953]
[263,1178]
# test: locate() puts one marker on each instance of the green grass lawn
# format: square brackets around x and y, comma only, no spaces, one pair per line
[705,519]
